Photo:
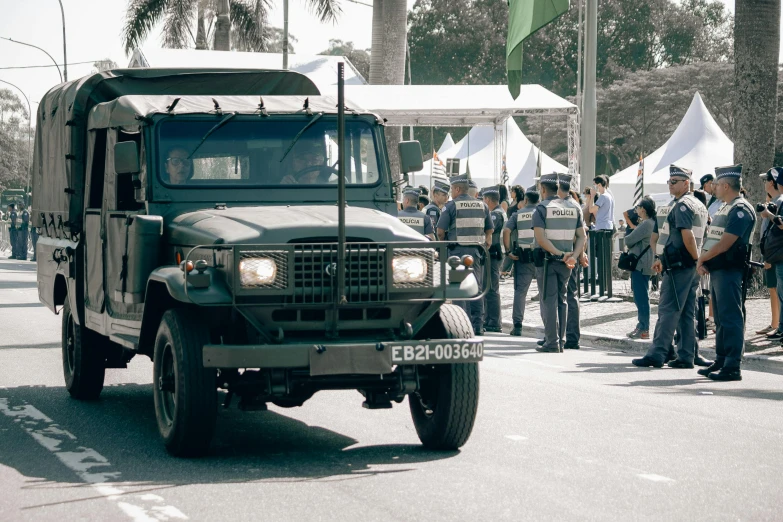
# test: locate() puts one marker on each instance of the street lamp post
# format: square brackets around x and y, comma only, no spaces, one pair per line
[65,54]
[43,51]
[29,128]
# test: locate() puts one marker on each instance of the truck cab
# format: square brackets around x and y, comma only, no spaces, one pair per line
[197,224]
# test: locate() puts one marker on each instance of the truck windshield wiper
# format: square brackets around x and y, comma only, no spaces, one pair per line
[299,135]
[210,131]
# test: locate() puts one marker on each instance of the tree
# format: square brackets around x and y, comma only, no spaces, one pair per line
[756,49]
[275,44]
[14,143]
[220,24]
[358,57]
[107,64]
[387,64]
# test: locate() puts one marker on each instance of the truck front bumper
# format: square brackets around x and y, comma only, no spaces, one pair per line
[345,359]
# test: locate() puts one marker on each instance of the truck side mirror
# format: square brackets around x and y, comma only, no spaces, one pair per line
[411,159]
[126,158]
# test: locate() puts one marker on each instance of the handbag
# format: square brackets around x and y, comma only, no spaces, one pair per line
[629,261]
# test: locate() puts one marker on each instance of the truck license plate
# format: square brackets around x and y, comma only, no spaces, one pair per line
[426,352]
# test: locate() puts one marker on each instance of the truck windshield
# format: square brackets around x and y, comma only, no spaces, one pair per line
[253,153]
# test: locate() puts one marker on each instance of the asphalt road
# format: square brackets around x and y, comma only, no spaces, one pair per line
[579,435]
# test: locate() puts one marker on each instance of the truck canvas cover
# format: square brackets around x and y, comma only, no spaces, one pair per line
[61,125]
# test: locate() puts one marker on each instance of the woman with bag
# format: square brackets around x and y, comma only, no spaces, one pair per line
[638,260]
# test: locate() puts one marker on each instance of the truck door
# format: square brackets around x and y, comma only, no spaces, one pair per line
[93,236]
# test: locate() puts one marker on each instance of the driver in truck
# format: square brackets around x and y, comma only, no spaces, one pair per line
[307,163]
[179,167]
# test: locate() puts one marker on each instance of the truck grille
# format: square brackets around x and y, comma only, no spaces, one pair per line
[315,277]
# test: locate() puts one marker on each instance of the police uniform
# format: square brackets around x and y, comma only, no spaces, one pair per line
[680,279]
[713,204]
[466,220]
[34,238]
[22,236]
[413,217]
[521,222]
[560,222]
[432,210]
[493,318]
[573,332]
[726,270]
[13,235]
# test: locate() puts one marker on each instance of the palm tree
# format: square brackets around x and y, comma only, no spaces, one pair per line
[387,61]
[756,50]
[227,24]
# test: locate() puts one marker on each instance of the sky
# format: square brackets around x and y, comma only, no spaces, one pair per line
[93,29]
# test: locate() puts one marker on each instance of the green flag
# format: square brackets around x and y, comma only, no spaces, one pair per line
[525,17]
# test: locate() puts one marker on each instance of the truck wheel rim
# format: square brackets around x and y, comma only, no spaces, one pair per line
[70,345]
[167,384]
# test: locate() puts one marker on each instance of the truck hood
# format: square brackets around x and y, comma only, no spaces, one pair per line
[284,224]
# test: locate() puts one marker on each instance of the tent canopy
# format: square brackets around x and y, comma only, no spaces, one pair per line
[455,105]
[698,144]
[321,69]
[446,145]
[480,145]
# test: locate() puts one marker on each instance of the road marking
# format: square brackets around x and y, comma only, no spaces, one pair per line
[89,465]
[655,478]
[705,393]
[516,437]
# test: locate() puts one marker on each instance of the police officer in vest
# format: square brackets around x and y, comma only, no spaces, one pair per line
[521,222]
[473,189]
[573,332]
[412,216]
[724,257]
[677,244]
[466,220]
[493,320]
[13,236]
[21,240]
[440,195]
[560,238]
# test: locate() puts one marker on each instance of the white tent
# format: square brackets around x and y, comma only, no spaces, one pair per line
[478,149]
[321,69]
[446,145]
[698,144]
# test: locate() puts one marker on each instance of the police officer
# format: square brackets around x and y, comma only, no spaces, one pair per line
[412,216]
[521,222]
[677,245]
[34,238]
[440,195]
[573,332]
[473,189]
[707,183]
[466,220]
[493,320]
[13,236]
[560,237]
[21,240]
[724,257]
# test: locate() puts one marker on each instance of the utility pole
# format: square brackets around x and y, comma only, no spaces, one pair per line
[589,106]
[65,53]
[285,35]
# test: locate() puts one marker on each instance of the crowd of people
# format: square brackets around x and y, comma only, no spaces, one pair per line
[698,243]
[19,231]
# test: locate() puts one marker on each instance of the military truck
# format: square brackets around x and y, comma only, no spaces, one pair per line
[193,216]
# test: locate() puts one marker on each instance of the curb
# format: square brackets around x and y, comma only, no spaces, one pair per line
[774,363]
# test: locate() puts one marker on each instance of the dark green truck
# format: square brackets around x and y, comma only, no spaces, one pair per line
[190,216]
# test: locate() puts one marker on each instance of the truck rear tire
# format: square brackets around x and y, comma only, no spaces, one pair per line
[444,408]
[185,392]
[84,363]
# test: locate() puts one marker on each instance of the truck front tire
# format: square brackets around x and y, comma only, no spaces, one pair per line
[444,408]
[84,363]
[185,392]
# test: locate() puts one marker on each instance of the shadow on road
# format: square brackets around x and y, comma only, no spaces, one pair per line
[20,305]
[258,446]
[626,367]
[56,344]
[11,265]
[13,285]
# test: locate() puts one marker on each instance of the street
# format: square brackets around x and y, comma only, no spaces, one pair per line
[579,435]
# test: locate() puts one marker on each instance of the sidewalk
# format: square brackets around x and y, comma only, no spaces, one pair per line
[607,323]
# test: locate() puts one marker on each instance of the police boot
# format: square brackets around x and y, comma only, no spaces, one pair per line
[714,367]
[517,330]
[726,374]
[672,355]
[698,360]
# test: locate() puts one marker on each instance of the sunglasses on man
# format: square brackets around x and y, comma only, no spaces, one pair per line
[675,181]
[179,162]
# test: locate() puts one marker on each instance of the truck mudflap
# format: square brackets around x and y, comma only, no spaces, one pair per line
[345,359]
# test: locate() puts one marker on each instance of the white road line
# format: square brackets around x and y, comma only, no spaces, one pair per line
[516,437]
[89,465]
[655,478]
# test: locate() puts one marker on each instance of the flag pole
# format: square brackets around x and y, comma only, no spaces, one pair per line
[589,107]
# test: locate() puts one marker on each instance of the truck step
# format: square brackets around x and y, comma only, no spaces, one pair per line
[126,340]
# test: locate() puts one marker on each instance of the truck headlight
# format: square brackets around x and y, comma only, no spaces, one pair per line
[409,269]
[257,271]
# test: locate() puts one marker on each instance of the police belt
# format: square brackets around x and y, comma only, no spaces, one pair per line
[525,255]
[540,255]
[735,258]
[674,258]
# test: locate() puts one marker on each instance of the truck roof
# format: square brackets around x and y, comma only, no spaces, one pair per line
[128,110]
